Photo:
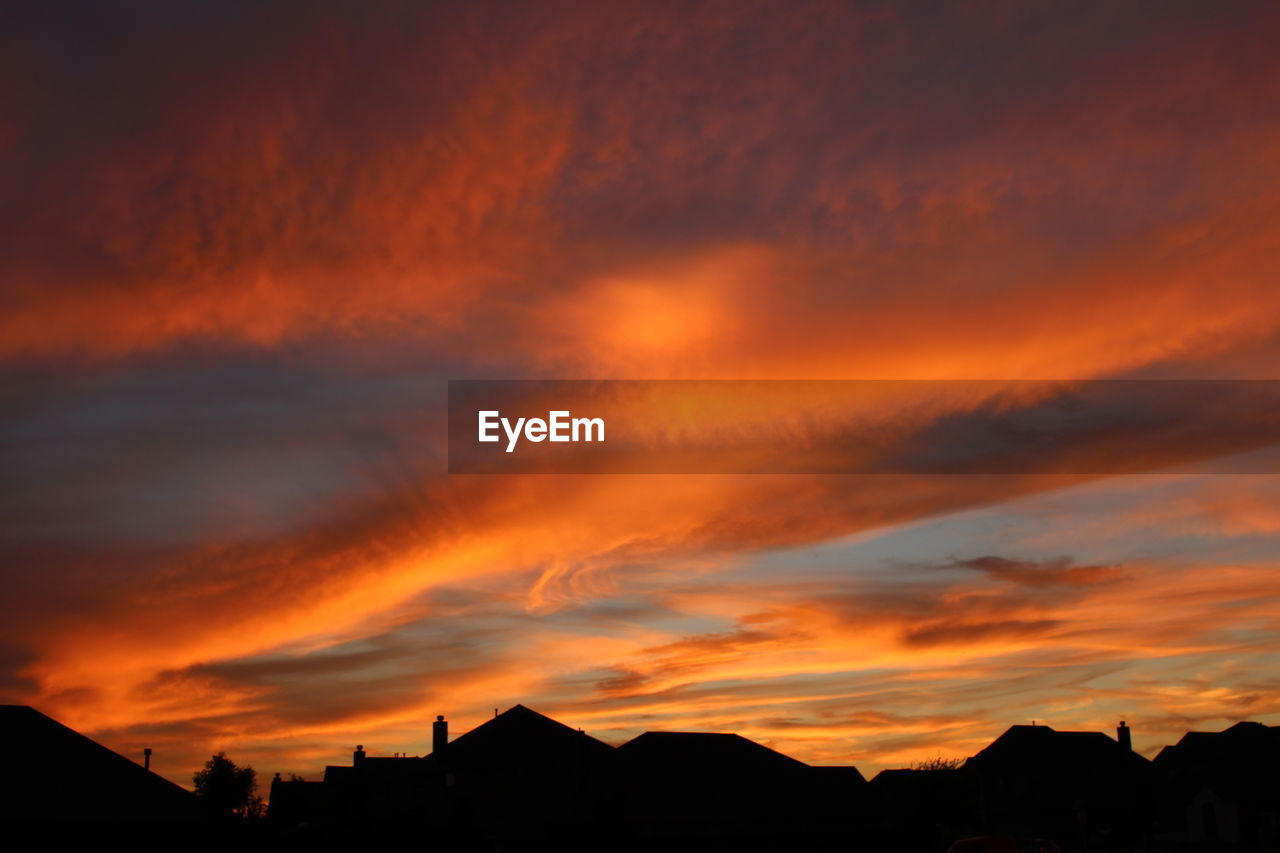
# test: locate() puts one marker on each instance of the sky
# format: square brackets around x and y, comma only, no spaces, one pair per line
[245,245]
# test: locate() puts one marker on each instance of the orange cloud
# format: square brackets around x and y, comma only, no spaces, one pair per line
[239,246]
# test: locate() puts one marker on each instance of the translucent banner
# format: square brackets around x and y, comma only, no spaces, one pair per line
[863,427]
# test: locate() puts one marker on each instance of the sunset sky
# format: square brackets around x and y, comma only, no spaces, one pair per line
[243,247]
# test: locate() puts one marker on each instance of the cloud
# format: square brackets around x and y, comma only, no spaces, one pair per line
[246,243]
[505,181]
[943,633]
[1055,572]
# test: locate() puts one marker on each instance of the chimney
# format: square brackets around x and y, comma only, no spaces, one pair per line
[1123,735]
[439,735]
[357,757]
[146,758]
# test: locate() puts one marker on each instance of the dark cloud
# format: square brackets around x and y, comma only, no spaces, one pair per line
[962,633]
[1043,573]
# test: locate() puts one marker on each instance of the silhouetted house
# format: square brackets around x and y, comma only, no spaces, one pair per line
[62,783]
[926,809]
[297,802]
[838,793]
[1223,787]
[690,784]
[521,774]
[522,777]
[1034,781]
[374,787]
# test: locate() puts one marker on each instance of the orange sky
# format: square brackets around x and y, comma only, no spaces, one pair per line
[247,244]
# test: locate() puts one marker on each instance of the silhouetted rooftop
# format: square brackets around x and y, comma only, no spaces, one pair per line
[1034,747]
[67,778]
[1243,741]
[1237,763]
[728,753]
[521,737]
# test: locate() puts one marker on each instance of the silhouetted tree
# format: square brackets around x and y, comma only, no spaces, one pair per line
[938,763]
[228,790]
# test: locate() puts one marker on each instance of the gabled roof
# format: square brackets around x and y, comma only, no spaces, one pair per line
[63,777]
[1041,747]
[522,738]
[1242,741]
[727,753]
[1244,733]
